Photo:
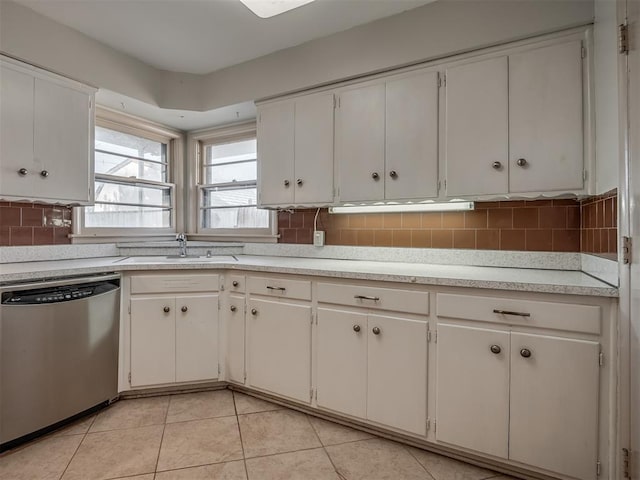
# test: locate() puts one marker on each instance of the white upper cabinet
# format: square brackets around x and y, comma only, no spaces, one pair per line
[360,143]
[411,150]
[477,128]
[387,139]
[46,136]
[545,119]
[295,151]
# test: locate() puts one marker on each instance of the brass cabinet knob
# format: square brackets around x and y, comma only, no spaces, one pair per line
[525,352]
[184,309]
[286,183]
[254,311]
[393,174]
[495,349]
[375,175]
[496,165]
[44,174]
[356,328]
[521,162]
[22,172]
[234,283]
[166,309]
[376,331]
[299,182]
[233,308]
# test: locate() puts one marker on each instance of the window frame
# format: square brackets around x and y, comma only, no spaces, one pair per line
[174,139]
[197,143]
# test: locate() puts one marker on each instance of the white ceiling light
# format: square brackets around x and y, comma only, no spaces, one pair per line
[412,207]
[271,8]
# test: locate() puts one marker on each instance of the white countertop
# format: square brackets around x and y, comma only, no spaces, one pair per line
[501,278]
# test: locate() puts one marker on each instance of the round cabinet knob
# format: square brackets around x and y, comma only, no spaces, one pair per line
[184,309]
[166,309]
[286,183]
[22,172]
[233,308]
[234,283]
[521,162]
[495,349]
[299,182]
[376,331]
[44,174]
[356,328]
[393,174]
[525,352]
[496,165]
[254,311]
[375,175]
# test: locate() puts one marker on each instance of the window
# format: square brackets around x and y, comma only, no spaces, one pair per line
[134,191]
[227,189]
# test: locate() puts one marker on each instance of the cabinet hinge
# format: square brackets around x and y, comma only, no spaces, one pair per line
[129,309]
[338,102]
[90,104]
[428,424]
[585,175]
[218,369]
[627,247]
[311,318]
[434,426]
[583,52]
[626,463]
[335,102]
[244,377]
[601,359]
[435,337]
[623,39]
[129,377]
[598,468]
[442,80]
[310,394]
[439,186]
[428,335]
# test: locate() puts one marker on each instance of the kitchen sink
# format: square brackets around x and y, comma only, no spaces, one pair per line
[178,259]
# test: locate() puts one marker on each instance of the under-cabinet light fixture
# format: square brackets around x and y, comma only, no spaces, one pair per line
[408,207]
[271,8]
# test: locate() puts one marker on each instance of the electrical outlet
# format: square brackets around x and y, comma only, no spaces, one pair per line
[318,238]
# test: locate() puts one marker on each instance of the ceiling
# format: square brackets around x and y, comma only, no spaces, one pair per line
[202,36]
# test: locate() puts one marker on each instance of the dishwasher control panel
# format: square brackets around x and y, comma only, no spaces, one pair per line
[55,295]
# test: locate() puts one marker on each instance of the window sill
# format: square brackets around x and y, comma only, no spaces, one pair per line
[118,238]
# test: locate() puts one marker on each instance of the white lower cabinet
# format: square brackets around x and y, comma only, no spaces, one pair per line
[235,339]
[279,347]
[374,367]
[530,398]
[174,339]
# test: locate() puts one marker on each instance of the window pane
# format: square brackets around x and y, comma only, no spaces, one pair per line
[137,194]
[130,168]
[230,197]
[235,172]
[231,152]
[240,217]
[125,144]
[116,216]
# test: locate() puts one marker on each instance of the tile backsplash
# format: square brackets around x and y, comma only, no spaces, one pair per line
[527,225]
[600,223]
[34,224]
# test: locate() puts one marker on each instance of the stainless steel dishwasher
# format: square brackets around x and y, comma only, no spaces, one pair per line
[58,353]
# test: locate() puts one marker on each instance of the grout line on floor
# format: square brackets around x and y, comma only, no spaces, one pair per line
[407,449]
[79,444]
[244,457]
[164,427]
[324,448]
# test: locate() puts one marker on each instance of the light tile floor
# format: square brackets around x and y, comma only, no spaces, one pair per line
[221,435]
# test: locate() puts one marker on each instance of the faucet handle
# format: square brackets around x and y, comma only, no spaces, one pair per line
[181,237]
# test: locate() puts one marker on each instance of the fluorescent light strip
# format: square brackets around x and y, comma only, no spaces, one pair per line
[413,207]
[271,8]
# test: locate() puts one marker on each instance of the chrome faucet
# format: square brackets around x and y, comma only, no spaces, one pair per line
[182,244]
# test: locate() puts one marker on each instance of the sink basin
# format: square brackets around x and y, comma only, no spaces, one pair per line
[178,259]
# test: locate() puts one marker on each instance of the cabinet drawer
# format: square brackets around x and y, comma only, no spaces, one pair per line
[174,283]
[374,297]
[236,283]
[556,316]
[279,287]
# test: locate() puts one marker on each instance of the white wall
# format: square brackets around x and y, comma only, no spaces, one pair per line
[434,30]
[606,95]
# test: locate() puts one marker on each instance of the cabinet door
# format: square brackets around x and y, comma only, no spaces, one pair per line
[360,140]
[235,338]
[397,379]
[472,392]
[545,119]
[411,159]
[196,337]
[153,334]
[275,154]
[554,404]
[63,130]
[477,130]
[16,132]
[342,361]
[314,149]
[279,348]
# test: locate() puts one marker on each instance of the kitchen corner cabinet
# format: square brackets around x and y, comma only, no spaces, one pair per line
[372,364]
[278,326]
[235,318]
[46,136]
[514,123]
[295,151]
[510,393]
[387,138]
[173,329]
